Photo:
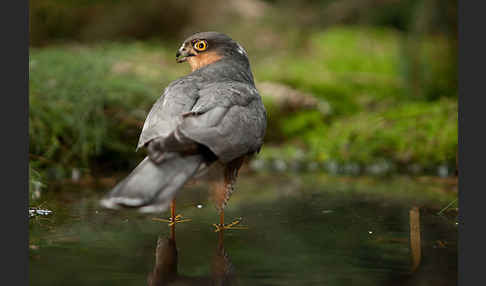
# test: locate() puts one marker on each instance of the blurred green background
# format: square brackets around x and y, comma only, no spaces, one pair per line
[351,87]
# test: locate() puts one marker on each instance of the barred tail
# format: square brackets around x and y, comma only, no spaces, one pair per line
[150,187]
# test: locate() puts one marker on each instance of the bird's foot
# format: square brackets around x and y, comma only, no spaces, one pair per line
[171,221]
[234,225]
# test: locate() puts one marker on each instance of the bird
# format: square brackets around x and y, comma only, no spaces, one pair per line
[165,269]
[212,116]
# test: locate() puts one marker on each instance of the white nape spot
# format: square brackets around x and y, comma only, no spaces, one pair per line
[241,50]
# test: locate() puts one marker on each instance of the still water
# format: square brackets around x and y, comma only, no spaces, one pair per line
[302,230]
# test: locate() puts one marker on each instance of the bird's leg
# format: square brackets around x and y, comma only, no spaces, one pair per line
[173,217]
[222,191]
[172,232]
[234,225]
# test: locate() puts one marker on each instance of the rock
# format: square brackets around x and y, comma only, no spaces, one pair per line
[291,99]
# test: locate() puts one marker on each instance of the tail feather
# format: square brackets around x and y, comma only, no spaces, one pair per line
[150,187]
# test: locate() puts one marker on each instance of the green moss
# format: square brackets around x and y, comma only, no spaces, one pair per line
[415,132]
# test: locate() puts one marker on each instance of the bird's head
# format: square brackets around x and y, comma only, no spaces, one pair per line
[205,48]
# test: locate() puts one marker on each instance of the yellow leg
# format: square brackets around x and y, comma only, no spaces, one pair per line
[173,217]
[234,225]
[172,232]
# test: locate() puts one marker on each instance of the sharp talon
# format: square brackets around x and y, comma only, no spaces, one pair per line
[233,225]
[178,219]
[218,227]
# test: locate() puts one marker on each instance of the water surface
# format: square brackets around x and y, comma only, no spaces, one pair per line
[302,230]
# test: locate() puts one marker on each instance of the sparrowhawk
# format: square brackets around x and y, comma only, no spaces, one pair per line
[212,115]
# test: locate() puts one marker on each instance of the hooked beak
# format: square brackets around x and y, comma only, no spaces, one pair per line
[182,54]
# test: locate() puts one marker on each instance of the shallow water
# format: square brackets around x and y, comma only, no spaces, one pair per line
[302,230]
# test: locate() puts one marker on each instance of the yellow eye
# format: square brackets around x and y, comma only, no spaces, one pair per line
[200,45]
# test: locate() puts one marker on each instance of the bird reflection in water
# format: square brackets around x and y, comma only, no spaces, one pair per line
[166,260]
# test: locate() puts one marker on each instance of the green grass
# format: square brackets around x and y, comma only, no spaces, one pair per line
[376,113]
[423,133]
[88,102]
[87,105]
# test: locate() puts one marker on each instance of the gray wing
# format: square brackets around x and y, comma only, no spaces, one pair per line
[229,118]
[179,97]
